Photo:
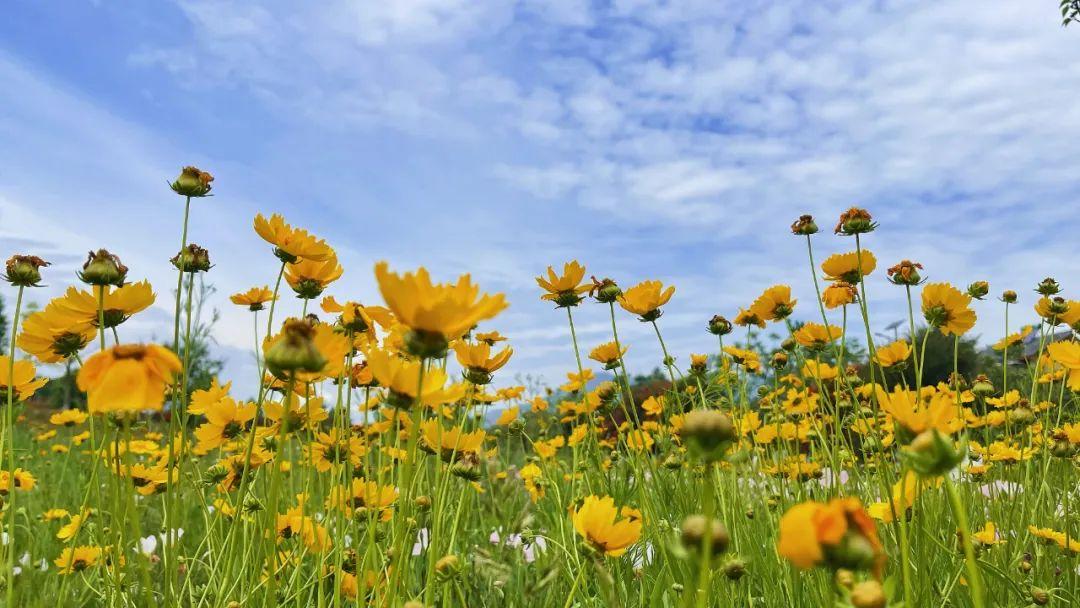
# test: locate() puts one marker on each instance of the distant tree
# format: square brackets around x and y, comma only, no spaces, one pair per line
[203,365]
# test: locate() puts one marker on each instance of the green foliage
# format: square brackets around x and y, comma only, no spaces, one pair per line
[203,365]
[938,359]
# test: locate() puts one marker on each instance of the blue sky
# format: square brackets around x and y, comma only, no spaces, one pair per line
[668,140]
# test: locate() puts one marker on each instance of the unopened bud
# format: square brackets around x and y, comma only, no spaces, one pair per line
[103,268]
[192,182]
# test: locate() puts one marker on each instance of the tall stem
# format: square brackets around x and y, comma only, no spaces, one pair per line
[9,437]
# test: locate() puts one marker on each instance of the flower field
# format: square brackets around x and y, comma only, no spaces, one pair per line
[383,460]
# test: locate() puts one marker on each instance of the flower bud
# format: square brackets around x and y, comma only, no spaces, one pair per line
[422,502]
[448,566]
[905,273]
[1008,296]
[868,594]
[1048,287]
[982,387]
[605,291]
[855,221]
[697,530]
[708,432]
[734,569]
[719,326]
[779,360]
[294,351]
[192,258]
[103,268]
[1021,416]
[24,270]
[1039,597]
[804,226]
[978,289]
[192,182]
[933,453]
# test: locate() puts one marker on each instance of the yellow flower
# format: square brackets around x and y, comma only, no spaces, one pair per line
[119,305]
[821,372]
[840,534]
[332,449]
[564,290]
[815,336]
[507,416]
[839,294]
[451,444]
[478,360]
[598,522]
[1067,354]
[128,378]
[746,358]
[21,379]
[21,480]
[435,312]
[904,493]
[309,278]
[70,417]
[331,346]
[362,496]
[897,352]
[402,378]
[608,354]
[357,317]
[530,473]
[988,536]
[946,308]
[70,529]
[52,335]
[294,415]
[291,244]
[653,406]
[77,559]
[645,299]
[254,298]
[775,304]
[749,317]
[846,267]
[1013,339]
[577,381]
[225,421]
[917,415]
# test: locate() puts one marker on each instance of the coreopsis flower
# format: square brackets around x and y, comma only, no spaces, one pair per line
[356,317]
[815,336]
[748,317]
[987,536]
[775,304]
[309,278]
[804,226]
[103,268]
[192,182]
[1067,354]
[68,418]
[1008,296]
[76,559]
[749,359]
[598,521]
[608,354]
[1013,339]
[21,480]
[821,372]
[645,299]
[478,361]
[905,273]
[839,293]
[401,378]
[435,313]
[892,354]
[846,267]
[531,476]
[24,270]
[128,378]
[653,406]
[564,290]
[192,259]
[117,306]
[149,480]
[293,414]
[915,414]
[453,443]
[72,527]
[1054,309]
[225,421]
[1048,287]
[334,449]
[291,244]
[254,298]
[855,221]
[295,524]
[946,308]
[204,398]
[698,363]
[21,379]
[838,534]
[490,338]
[708,432]
[508,416]
[306,351]
[904,494]
[364,496]
[577,381]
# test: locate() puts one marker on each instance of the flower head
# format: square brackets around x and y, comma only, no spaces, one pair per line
[646,298]
[24,270]
[566,289]
[946,308]
[839,534]
[849,267]
[192,182]
[22,379]
[309,278]
[597,521]
[254,298]
[128,378]
[291,244]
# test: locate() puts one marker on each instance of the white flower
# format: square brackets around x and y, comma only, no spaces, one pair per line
[148,545]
